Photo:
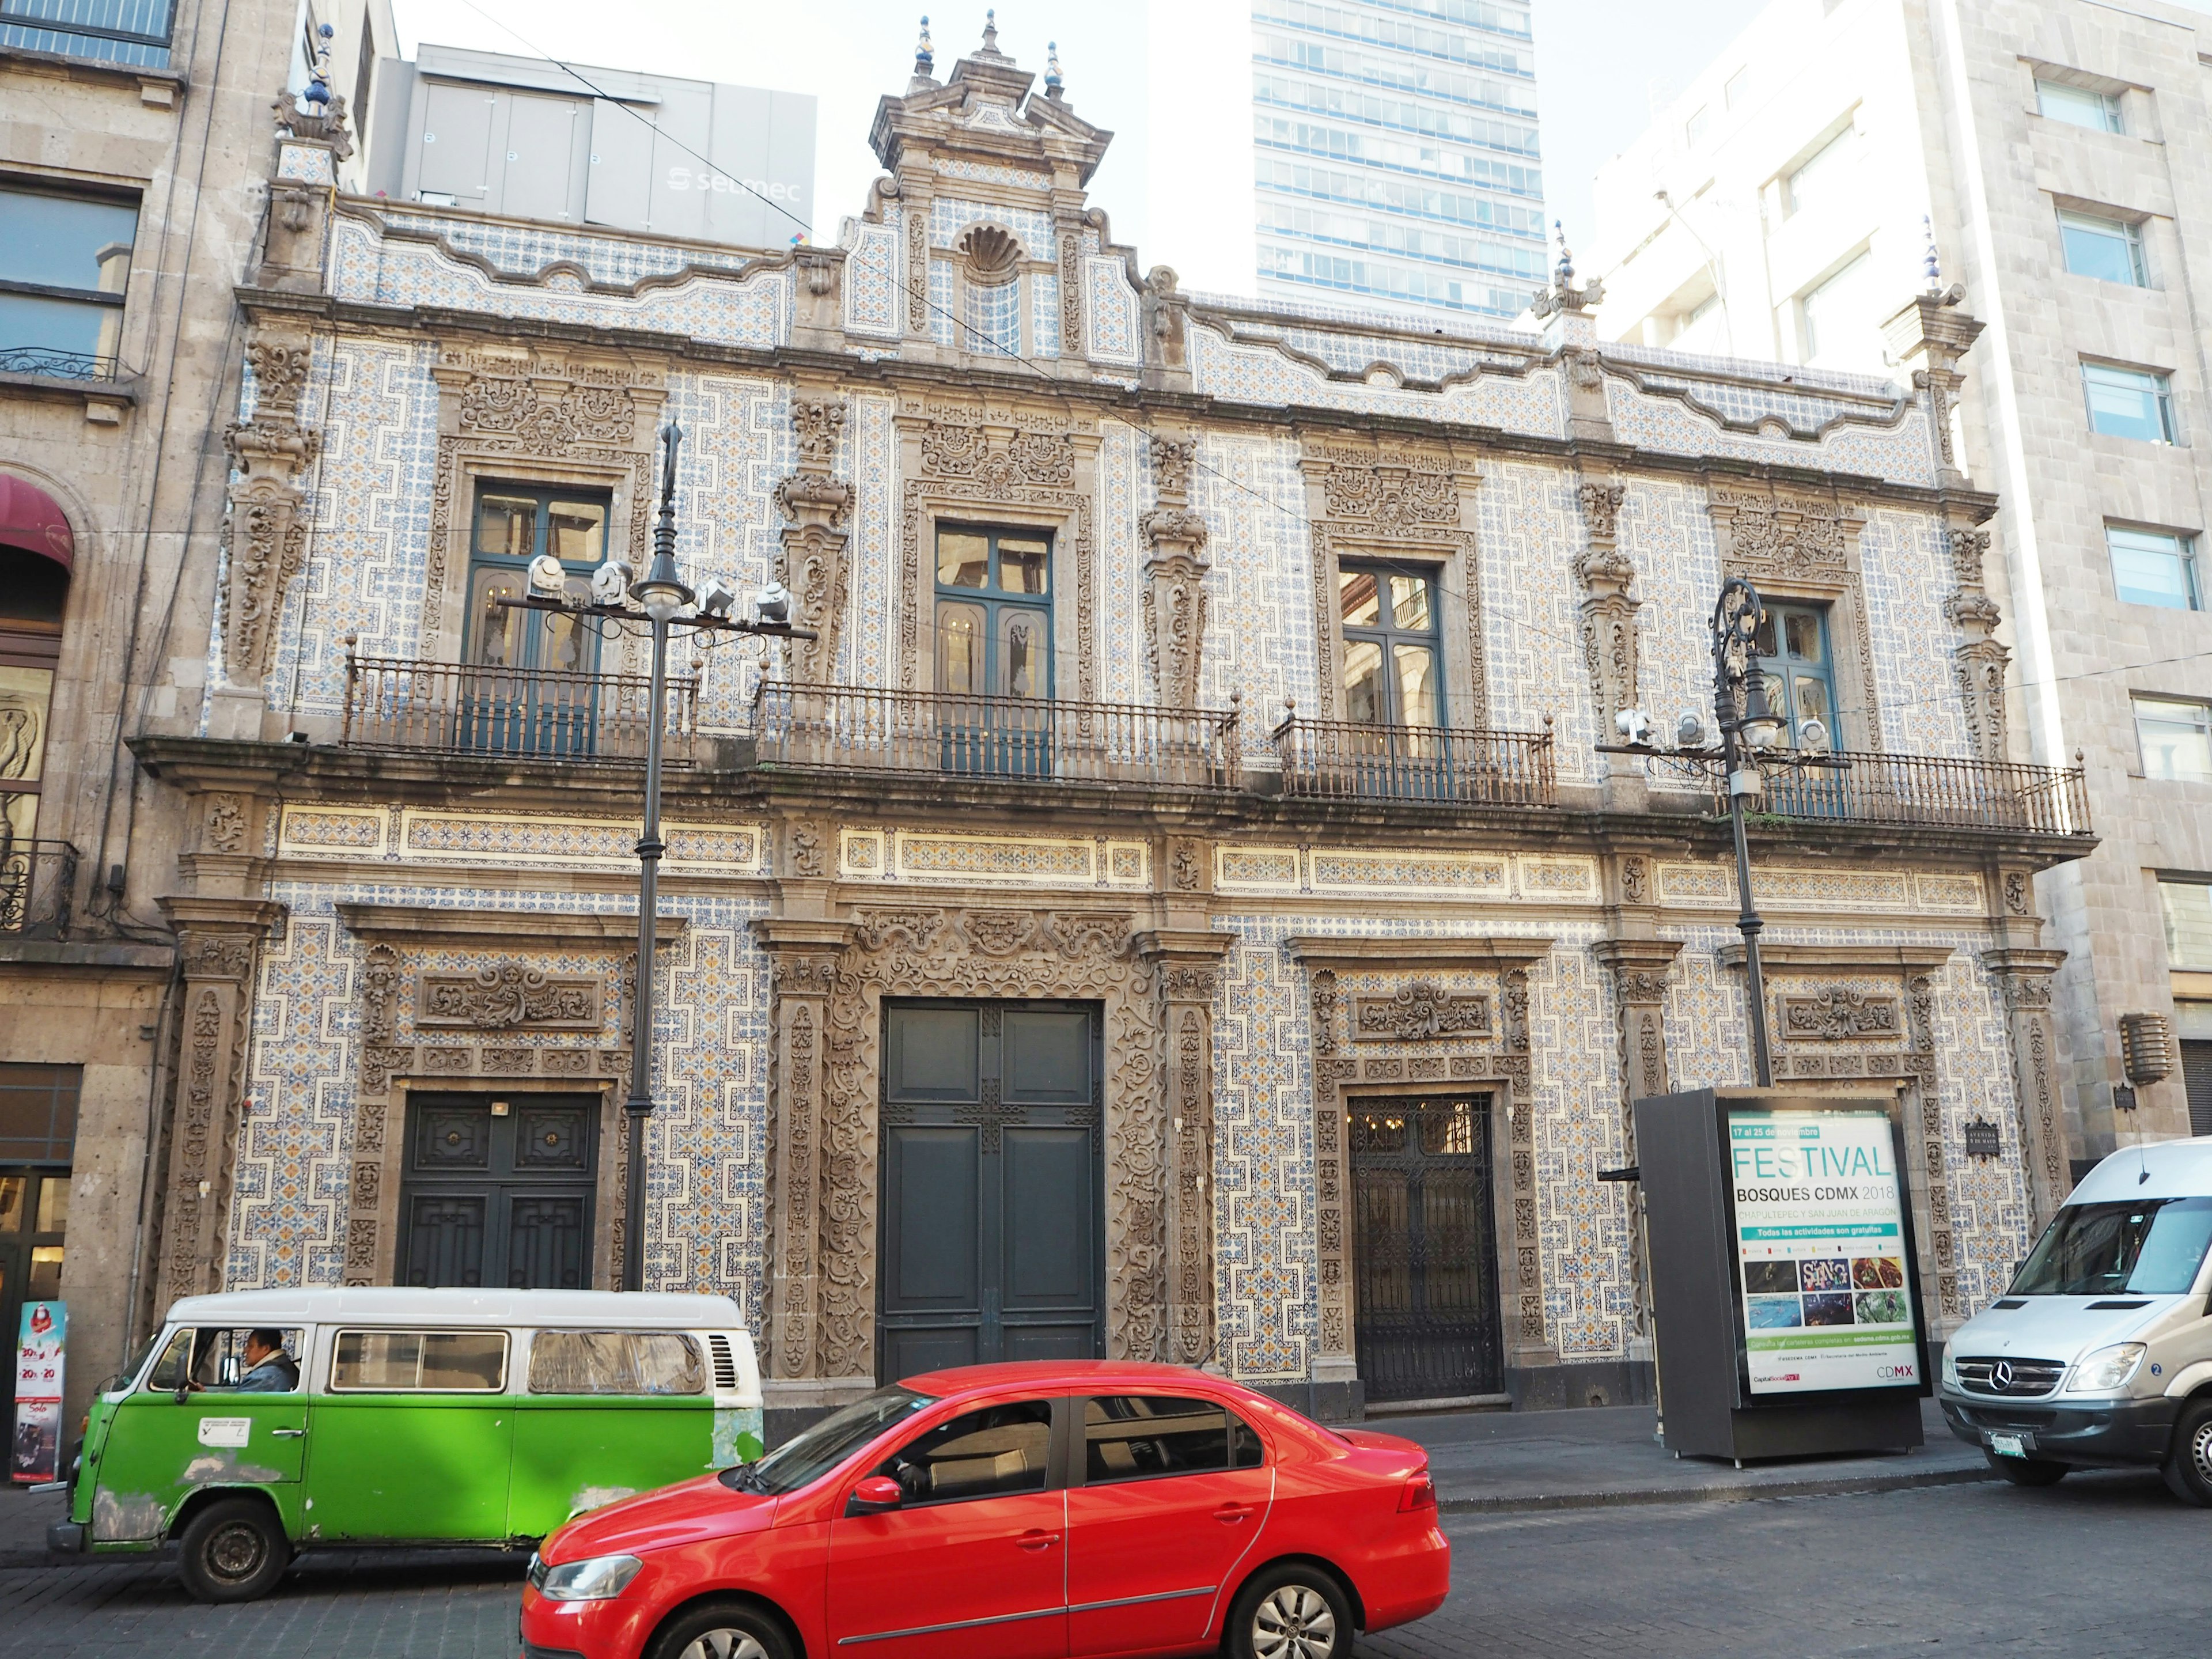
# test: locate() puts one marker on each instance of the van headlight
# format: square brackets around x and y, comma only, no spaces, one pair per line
[2107,1368]
[596,1578]
[1950,1367]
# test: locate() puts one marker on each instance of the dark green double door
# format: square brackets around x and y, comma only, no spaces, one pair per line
[991,1185]
[497,1193]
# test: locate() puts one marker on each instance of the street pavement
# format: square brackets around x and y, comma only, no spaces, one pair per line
[1573,1535]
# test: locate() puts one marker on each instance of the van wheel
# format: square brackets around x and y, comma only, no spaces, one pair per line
[2025,1471]
[2188,1469]
[234,1551]
[726,1630]
[1294,1611]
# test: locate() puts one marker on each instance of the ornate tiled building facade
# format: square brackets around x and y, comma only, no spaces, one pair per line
[1286,926]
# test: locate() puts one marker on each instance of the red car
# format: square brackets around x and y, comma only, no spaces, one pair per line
[1040,1511]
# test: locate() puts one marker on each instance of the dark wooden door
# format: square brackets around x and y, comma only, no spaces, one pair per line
[498,1193]
[990,1221]
[1425,1252]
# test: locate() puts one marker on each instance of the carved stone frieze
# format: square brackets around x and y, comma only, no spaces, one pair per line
[506,996]
[1838,1014]
[1419,1011]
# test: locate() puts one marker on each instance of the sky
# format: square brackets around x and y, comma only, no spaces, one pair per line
[1602,67]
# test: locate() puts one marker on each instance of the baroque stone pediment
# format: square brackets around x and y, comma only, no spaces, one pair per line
[506,996]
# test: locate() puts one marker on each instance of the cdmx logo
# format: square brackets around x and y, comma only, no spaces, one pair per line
[1895,1373]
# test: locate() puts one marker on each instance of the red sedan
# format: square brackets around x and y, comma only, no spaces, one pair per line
[1042,1510]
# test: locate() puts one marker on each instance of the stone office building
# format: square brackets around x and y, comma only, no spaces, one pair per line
[1175,907]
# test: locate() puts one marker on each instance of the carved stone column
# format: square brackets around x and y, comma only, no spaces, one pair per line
[804,955]
[1608,613]
[2026,974]
[1188,963]
[1175,575]
[1977,661]
[1639,969]
[219,947]
[267,532]
[815,565]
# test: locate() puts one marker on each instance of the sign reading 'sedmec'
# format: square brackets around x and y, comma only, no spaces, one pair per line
[1819,1239]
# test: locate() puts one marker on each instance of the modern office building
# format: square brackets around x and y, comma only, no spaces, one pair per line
[1395,154]
[1782,210]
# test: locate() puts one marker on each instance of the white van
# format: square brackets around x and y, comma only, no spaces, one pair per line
[2100,1353]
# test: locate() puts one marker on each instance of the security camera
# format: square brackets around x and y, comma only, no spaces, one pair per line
[1634,725]
[610,583]
[772,604]
[716,598]
[547,577]
[1812,733]
[1690,730]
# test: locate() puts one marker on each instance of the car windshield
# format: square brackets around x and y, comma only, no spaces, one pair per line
[814,1452]
[2152,1248]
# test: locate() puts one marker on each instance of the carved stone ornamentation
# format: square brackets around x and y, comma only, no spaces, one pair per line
[1837,1013]
[1419,1011]
[223,829]
[815,563]
[266,527]
[1608,611]
[506,996]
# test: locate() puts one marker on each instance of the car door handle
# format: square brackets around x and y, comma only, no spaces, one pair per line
[1230,1514]
[1033,1540]
[286,1434]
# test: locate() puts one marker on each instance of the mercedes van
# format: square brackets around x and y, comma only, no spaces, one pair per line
[2099,1352]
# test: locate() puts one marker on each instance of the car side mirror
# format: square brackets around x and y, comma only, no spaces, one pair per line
[874,1495]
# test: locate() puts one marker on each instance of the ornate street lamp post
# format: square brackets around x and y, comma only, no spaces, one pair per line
[1748,726]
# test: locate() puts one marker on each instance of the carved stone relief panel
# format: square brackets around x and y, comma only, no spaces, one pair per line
[1640,969]
[816,563]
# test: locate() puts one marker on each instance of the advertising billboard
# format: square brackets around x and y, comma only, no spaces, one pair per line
[1820,1238]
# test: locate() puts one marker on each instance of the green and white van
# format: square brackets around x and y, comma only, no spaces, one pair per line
[418,1416]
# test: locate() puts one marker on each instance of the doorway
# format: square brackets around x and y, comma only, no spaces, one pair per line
[1424,1248]
[991,1185]
[497,1193]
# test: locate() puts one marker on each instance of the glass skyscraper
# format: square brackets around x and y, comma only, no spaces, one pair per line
[1396,156]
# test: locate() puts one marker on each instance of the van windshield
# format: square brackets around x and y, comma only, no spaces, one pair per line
[2152,1248]
[814,1452]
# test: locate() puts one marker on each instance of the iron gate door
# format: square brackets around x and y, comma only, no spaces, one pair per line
[498,1193]
[1424,1253]
[990,1224]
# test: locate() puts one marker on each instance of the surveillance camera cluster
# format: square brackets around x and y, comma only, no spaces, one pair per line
[611,583]
[1691,732]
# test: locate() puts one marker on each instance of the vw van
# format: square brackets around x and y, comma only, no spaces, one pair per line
[2099,1352]
[413,1417]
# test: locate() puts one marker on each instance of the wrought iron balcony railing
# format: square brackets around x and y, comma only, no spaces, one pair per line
[56,365]
[465,709]
[1344,761]
[860,729]
[1930,790]
[36,880]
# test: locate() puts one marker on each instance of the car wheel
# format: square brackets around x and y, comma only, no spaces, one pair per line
[234,1550]
[723,1630]
[2188,1469]
[1295,1611]
[2026,1471]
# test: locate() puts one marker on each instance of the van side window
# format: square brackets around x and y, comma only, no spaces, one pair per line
[456,1362]
[217,1357]
[615,1362]
[174,1368]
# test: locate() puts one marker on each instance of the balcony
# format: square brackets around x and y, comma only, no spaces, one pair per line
[464,709]
[1337,760]
[56,365]
[846,728]
[1925,791]
[36,880]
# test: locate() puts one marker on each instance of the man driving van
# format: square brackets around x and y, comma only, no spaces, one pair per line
[269,1369]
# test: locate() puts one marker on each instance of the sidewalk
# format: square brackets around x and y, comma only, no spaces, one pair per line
[1489,1461]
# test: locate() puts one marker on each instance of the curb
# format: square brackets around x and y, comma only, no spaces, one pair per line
[1734,1492]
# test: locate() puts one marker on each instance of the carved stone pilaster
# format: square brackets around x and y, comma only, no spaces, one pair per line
[1187,964]
[1977,661]
[309,147]
[814,564]
[1929,335]
[1639,969]
[1166,361]
[2026,974]
[1608,612]
[267,529]
[1175,575]
[219,944]
[818,315]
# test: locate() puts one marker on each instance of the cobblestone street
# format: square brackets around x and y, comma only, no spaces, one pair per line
[2099,1565]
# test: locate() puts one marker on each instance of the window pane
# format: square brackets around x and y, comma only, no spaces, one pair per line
[1022,665]
[2188,924]
[45,1284]
[38,1113]
[2125,403]
[615,1362]
[495,633]
[25,696]
[2176,738]
[991,1453]
[1417,684]
[1364,702]
[1022,566]
[1839,327]
[408,1361]
[563,642]
[53,1205]
[579,532]
[1138,1436]
[1822,172]
[27,319]
[1801,633]
[2104,248]
[64,243]
[1409,602]
[960,648]
[1356,593]
[12,1191]
[2078,106]
[1809,700]
[169,1372]
[2149,568]
[506,527]
[963,559]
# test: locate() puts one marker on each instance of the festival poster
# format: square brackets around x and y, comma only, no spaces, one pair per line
[39,1392]
[1821,1245]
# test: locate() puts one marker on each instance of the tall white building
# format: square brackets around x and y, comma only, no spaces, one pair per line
[1388,151]
[2058,151]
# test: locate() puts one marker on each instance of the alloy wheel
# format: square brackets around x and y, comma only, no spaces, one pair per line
[236,1551]
[723,1644]
[1293,1622]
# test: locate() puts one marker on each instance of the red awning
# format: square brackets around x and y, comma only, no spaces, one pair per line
[30,520]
